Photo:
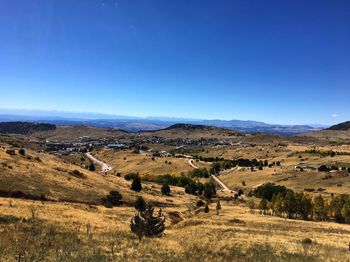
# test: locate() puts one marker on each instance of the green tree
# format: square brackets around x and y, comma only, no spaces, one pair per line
[290,204]
[165,189]
[319,208]
[113,199]
[140,204]
[251,205]
[345,212]
[218,207]
[146,224]
[22,152]
[263,205]
[92,167]
[206,209]
[136,184]
[215,169]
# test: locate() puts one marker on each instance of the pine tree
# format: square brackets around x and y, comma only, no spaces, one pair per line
[145,224]
[92,167]
[165,189]
[218,207]
[136,184]
[113,199]
[140,204]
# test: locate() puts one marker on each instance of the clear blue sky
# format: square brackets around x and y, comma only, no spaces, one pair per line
[273,61]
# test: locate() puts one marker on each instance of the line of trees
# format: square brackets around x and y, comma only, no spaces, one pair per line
[281,201]
[325,152]
[218,166]
[324,168]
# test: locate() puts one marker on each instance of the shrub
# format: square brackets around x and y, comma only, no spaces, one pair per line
[136,184]
[323,168]
[200,203]
[206,209]
[11,152]
[130,176]
[22,152]
[92,167]
[306,241]
[77,174]
[165,189]
[113,199]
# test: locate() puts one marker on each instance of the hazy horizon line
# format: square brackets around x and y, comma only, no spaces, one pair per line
[114,116]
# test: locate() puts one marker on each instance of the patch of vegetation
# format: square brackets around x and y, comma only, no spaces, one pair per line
[78,174]
[165,189]
[24,128]
[22,195]
[131,176]
[136,184]
[146,224]
[267,191]
[112,199]
[199,172]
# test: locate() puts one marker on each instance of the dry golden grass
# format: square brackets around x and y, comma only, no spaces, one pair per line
[126,162]
[50,176]
[73,133]
[234,235]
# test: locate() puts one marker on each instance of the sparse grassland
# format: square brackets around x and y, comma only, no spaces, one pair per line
[145,164]
[76,232]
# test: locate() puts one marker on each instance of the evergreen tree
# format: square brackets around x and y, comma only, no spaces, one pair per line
[92,167]
[113,199]
[136,184]
[140,204]
[218,207]
[206,209]
[146,224]
[22,152]
[165,189]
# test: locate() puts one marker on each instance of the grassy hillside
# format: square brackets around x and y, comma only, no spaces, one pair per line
[39,174]
[145,164]
[72,133]
[99,234]
[187,131]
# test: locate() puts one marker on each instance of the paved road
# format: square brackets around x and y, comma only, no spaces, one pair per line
[104,166]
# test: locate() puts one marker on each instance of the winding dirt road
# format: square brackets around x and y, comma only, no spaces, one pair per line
[190,162]
[104,166]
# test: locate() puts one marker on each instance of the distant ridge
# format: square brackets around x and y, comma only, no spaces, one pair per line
[190,127]
[340,127]
[24,128]
[137,124]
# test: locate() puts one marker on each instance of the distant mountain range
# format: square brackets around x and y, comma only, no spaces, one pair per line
[135,124]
